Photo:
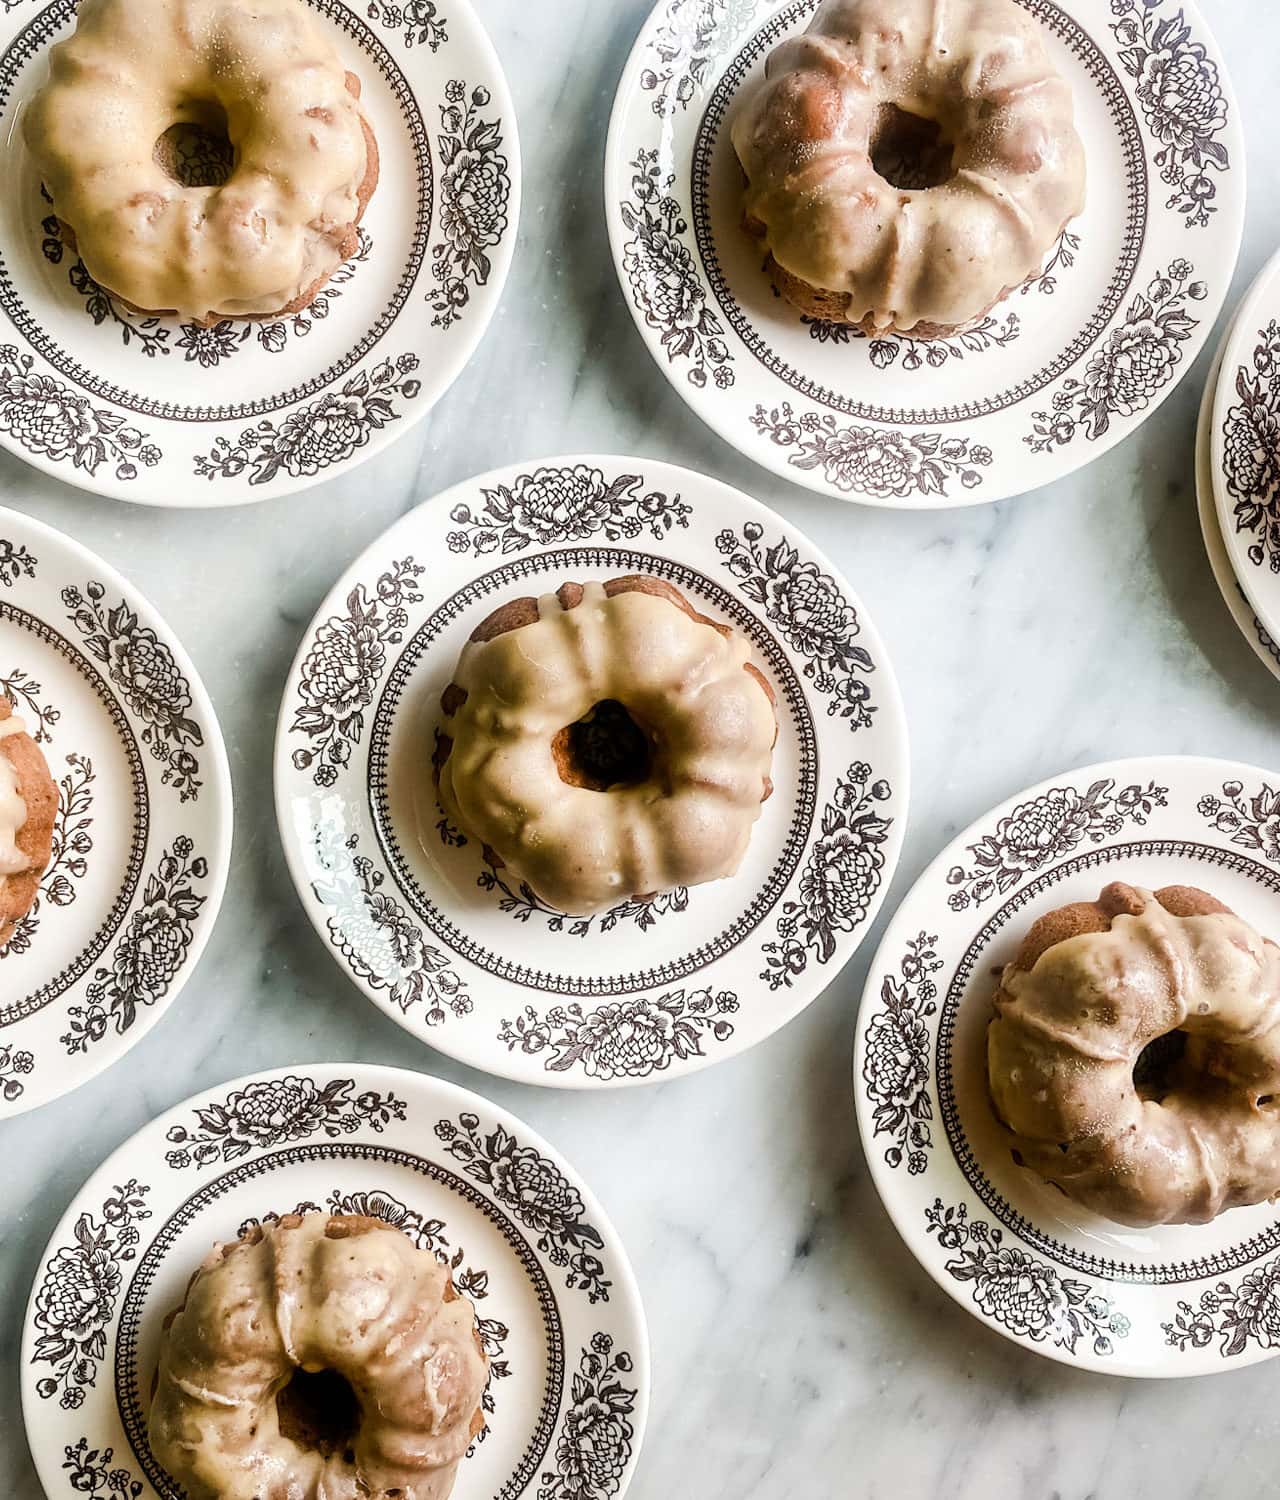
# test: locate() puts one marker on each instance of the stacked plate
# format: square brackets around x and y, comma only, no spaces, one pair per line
[1238,467]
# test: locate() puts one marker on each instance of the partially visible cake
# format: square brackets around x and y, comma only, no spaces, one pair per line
[28,812]
[319,1358]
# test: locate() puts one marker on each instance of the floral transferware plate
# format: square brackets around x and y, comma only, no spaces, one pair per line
[463,954]
[162,412]
[1251,627]
[1178,1300]
[143,834]
[1246,447]
[1049,380]
[557,1305]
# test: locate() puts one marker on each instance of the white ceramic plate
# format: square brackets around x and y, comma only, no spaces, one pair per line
[143,837]
[466,957]
[1180,1300]
[1056,375]
[1246,447]
[1251,627]
[559,1309]
[152,410]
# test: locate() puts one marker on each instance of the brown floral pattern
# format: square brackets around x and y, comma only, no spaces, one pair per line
[318,434]
[1137,360]
[665,284]
[538,1193]
[347,659]
[810,611]
[15,563]
[896,1065]
[1182,100]
[1250,821]
[380,941]
[872,461]
[149,955]
[76,1296]
[1251,450]
[691,35]
[564,503]
[1238,1316]
[143,667]
[596,1436]
[1044,829]
[1022,1293]
[273,1112]
[474,191]
[95,1474]
[15,1064]
[48,418]
[840,877]
[626,1038]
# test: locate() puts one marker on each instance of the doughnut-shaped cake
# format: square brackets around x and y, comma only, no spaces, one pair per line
[607,741]
[318,1358]
[1174,1135]
[264,74]
[28,812]
[909,162]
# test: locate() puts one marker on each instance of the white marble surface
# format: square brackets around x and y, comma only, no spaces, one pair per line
[798,1350]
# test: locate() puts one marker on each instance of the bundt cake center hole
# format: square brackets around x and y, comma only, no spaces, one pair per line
[196,151]
[604,750]
[319,1411]
[909,151]
[1157,1065]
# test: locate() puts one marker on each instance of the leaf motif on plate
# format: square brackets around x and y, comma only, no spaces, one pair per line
[1021,1292]
[1251,820]
[595,1441]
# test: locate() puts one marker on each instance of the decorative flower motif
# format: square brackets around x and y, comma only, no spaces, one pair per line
[1136,362]
[346,661]
[210,346]
[811,613]
[149,954]
[1044,829]
[874,461]
[537,1192]
[839,880]
[1180,93]
[45,416]
[1251,446]
[1027,1296]
[318,434]
[15,563]
[566,503]
[690,37]
[14,1065]
[623,1039]
[594,1446]
[1239,1316]
[382,944]
[419,21]
[895,1066]
[273,1111]
[1253,822]
[76,1296]
[90,1471]
[143,667]
[474,192]
[665,283]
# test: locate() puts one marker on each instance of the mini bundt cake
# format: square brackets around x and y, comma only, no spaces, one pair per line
[28,813]
[1135,1056]
[266,77]
[318,1358]
[908,162]
[607,741]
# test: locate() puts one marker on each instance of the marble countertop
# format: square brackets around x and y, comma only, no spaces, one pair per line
[798,1349]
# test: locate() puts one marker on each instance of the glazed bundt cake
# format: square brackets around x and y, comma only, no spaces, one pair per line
[607,741]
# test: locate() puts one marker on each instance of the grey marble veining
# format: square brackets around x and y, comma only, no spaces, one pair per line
[799,1353]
